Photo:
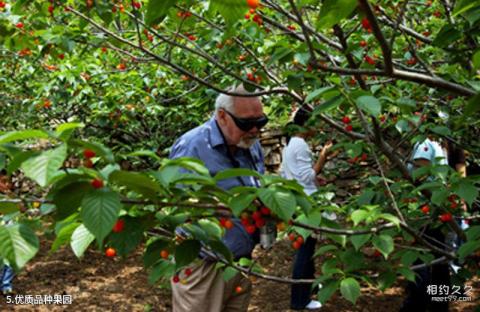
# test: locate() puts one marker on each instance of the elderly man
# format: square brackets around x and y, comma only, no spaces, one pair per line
[227,140]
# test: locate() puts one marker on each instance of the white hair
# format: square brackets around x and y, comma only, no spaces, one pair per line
[226,101]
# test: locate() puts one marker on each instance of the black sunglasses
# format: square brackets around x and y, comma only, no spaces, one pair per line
[247,124]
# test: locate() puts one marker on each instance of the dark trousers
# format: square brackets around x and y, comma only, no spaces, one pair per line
[418,300]
[303,268]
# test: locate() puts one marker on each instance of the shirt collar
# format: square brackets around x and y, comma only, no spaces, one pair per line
[216,137]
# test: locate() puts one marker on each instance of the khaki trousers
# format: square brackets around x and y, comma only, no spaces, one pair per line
[205,290]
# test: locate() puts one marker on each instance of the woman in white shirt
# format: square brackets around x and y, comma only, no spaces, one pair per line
[297,164]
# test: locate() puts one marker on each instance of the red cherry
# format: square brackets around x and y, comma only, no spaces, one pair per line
[88,163]
[363,43]
[96,183]
[110,252]
[88,153]
[369,60]
[2,4]
[253,3]
[300,240]
[446,217]
[104,49]
[19,25]
[247,16]
[259,223]
[61,56]
[377,254]
[164,254]
[256,215]
[238,289]
[265,211]
[364,157]
[346,120]
[250,229]
[222,221]
[119,225]
[176,279]
[425,209]
[366,23]
[192,38]
[349,128]
[453,205]
[137,5]
[50,9]
[252,11]
[188,271]
[296,245]
[228,224]
[292,237]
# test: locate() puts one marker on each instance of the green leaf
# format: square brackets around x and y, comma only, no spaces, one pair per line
[447,35]
[99,149]
[23,135]
[138,182]
[186,252]
[152,253]
[350,289]
[369,104]
[442,130]
[467,191]
[64,131]
[44,167]
[229,273]
[358,216]
[463,6]
[231,10]
[327,291]
[211,228]
[236,172]
[331,103]
[473,105]
[6,208]
[333,11]
[389,217]
[219,247]
[99,212]
[312,219]
[81,239]
[18,244]
[239,202]
[162,269]
[127,240]
[386,280]
[188,163]
[64,236]
[316,93]
[407,273]
[320,251]
[473,233]
[304,203]
[384,244]
[157,10]
[69,198]
[467,249]
[281,202]
[476,60]
[409,257]
[359,240]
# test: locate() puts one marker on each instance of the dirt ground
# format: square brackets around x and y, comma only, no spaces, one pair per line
[97,283]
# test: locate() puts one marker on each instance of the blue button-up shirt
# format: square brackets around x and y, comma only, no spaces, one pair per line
[206,143]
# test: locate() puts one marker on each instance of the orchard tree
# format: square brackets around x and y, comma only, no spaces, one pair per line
[119,80]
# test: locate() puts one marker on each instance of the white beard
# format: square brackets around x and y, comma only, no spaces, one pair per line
[247,142]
